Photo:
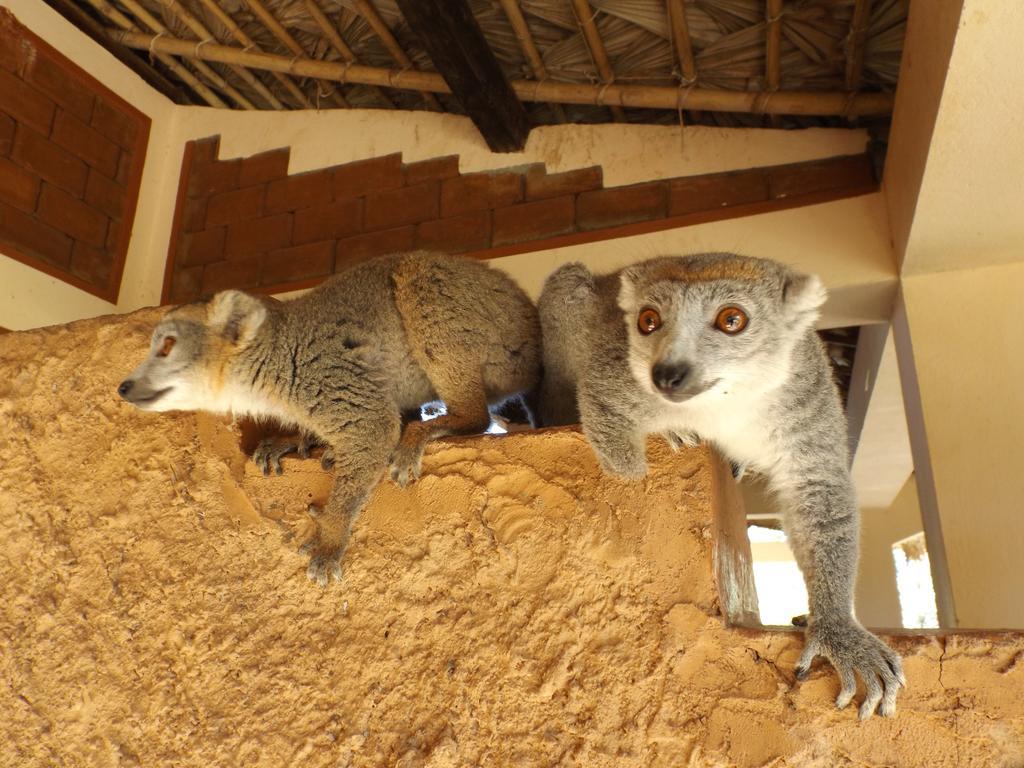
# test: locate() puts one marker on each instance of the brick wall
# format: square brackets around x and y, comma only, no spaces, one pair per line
[71,156]
[245,223]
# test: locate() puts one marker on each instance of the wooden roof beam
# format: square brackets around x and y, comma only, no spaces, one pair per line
[250,44]
[368,11]
[585,17]
[332,89]
[529,47]
[859,25]
[773,43]
[455,43]
[339,44]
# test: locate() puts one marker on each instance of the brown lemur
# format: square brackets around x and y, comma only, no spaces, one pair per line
[345,360]
[722,348]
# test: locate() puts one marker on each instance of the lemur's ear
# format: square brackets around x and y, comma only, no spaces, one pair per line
[236,316]
[628,279]
[802,296]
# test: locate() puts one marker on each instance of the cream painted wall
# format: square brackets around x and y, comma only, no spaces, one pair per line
[969,365]
[28,298]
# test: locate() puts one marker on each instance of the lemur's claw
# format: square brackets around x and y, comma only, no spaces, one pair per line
[268,453]
[854,651]
[324,557]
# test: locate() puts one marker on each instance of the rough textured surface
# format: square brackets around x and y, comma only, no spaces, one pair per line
[511,608]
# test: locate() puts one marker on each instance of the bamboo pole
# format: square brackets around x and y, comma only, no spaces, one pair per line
[200,31]
[529,47]
[108,11]
[859,25]
[285,38]
[640,96]
[250,44]
[157,26]
[339,43]
[367,10]
[773,42]
[585,18]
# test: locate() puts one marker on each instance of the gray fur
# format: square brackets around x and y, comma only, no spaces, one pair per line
[343,363]
[764,397]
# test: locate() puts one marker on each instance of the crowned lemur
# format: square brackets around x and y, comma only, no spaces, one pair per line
[344,361]
[722,348]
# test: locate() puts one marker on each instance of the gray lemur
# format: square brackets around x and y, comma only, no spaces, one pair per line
[345,360]
[722,347]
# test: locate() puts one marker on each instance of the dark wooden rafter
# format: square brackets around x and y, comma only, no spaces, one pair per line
[859,26]
[515,17]
[773,43]
[81,19]
[368,11]
[455,43]
[585,17]
[331,33]
[331,89]
[221,15]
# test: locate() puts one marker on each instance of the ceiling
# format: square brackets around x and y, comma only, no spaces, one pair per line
[716,62]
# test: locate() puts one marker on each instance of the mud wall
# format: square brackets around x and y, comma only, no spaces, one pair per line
[513,607]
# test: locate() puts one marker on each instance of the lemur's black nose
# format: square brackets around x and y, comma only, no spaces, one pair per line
[668,377]
[125,387]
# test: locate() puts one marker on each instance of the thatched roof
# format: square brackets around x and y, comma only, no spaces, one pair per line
[784,56]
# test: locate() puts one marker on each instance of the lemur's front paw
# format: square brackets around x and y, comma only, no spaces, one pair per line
[325,552]
[269,452]
[405,464]
[327,459]
[851,649]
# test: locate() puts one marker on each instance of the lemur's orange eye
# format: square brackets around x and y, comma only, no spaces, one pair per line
[731,320]
[648,321]
[166,346]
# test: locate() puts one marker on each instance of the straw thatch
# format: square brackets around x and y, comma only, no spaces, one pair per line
[792,48]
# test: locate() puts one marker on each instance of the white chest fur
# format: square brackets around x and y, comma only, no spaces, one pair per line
[738,425]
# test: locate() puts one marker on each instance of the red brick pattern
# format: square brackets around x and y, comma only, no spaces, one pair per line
[245,223]
[71,156]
